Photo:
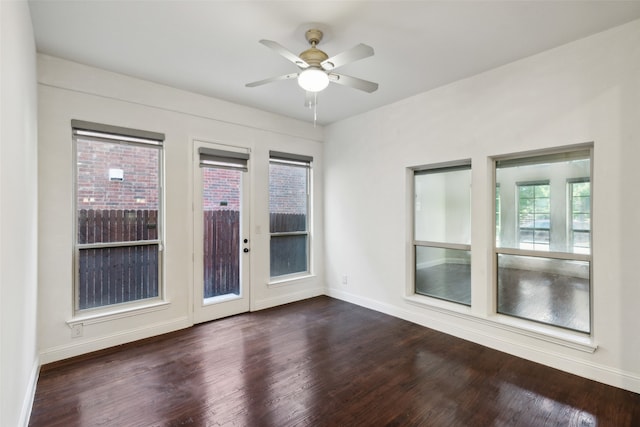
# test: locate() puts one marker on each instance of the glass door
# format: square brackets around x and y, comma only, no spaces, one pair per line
[221,230]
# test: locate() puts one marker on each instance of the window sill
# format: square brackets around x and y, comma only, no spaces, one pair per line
[119,313]
[439,305]
[569,339]
[290,280]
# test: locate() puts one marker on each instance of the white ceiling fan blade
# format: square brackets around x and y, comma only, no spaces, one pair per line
[353,82]
[356,53]
[311,99]
[285,53]
[272,79]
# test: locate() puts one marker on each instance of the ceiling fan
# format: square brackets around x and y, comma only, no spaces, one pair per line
[317,67]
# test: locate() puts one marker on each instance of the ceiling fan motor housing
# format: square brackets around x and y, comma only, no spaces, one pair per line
[314,56]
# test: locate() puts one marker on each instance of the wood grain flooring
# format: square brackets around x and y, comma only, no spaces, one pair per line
[319,362]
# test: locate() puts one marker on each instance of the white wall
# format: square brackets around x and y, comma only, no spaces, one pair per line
[585,91]
[18,214]
[72,91]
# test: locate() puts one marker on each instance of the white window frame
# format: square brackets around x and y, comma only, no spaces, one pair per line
[565,256]
[126,136]
[435,168]
[306,162]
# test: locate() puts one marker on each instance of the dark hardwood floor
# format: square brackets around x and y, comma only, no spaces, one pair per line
[319,362]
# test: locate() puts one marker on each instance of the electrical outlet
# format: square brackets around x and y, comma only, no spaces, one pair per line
[76,330]
[345,279]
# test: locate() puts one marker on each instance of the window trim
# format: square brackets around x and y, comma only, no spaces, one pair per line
[128,137]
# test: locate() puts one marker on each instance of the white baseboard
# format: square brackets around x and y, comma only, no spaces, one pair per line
[594,371]
[87,346]
[30,394]
[286,299]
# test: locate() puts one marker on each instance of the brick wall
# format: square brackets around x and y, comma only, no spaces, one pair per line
[221,189]
[287,189]
[139,187]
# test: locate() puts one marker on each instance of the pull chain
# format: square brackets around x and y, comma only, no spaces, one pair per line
[315,108]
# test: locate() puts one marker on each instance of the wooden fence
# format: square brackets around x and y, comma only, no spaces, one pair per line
[221,253]
[112,275]
[117,225]
[115,275]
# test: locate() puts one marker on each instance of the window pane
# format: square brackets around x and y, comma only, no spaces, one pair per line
[497,207]
[580,194]
[442,206]
[581,189]
[444,273]
[288,254]
[581,238]
[581,222]
[221,195]
[117,274]
[541,205]
[541,191]
[550,291]
[117,225]
[525,192]
[581,204]
[288,198]
[526,235]
[117,192]
[581,242]
[526,205]
[533,196]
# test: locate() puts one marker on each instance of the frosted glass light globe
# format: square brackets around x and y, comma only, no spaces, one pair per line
[313,80]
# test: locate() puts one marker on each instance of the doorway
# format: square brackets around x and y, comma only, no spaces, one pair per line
[221,230]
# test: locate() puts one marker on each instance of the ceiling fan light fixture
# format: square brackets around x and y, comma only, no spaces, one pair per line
[313,80]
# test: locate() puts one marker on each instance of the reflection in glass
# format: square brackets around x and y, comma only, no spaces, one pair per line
[290,254]
[442,208]
[544,203]
[444,274]
[545,290]
[580,199]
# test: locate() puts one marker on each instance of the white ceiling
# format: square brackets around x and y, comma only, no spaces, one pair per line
[211,47]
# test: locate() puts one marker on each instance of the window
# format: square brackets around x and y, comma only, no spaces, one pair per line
[497,211]
[543,244]
[580,215]
[442,232]
[222,174]
[289,195]
[534,216]
[118,215]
